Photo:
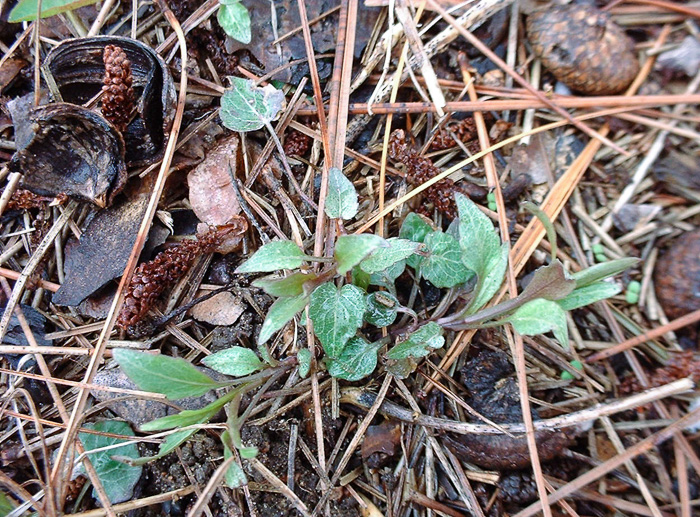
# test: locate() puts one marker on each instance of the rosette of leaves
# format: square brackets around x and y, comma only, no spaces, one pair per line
[468,258]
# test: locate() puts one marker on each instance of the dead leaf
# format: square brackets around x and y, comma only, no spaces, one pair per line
[10,70]
[231,241]
[383,438]
[212,195]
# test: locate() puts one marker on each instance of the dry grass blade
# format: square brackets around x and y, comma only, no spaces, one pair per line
[34,261]
[173,495]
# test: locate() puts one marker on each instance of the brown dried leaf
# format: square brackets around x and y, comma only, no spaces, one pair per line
[212,195]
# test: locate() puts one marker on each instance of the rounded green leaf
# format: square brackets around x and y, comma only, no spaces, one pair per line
[540,316]
[350,250]
[358,360]
[415,228]
[477,236]
[246,107]
[381,308]
[385,257]
[235,20]
[118,478]
[304,360]
[341,201]
[236,361]
[443,267]
[420,343]
[273,256]
[336,315]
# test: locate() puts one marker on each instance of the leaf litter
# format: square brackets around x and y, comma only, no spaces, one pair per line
[317,450]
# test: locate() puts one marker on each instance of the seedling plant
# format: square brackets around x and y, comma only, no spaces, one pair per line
[353,292]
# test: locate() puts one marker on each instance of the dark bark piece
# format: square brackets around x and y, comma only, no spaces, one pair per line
[68,149]
[78,69]
[583,48]
[104,248]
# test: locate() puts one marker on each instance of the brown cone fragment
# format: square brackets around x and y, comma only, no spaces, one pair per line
[118,93]
[583,48]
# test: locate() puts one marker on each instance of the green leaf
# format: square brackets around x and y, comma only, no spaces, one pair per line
[477,237]
[589,294]
[187,417]
[550,282]
[235,477]
[171,442]
[540,316]
[341,201]
[350,250]
[273,256]
[381,308]
[358,360]
[414,228]
[387,277]
[283,310]
[291,285]
[360,278]
[248,452]
[443,266]
[235,20]
[420,343]
[383,258]
[603,270]
[304,360]
[25,10]
[490,282]
[246,107]
[236,361]
[336,314]
[118,479]
[173,377]
[6,504]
